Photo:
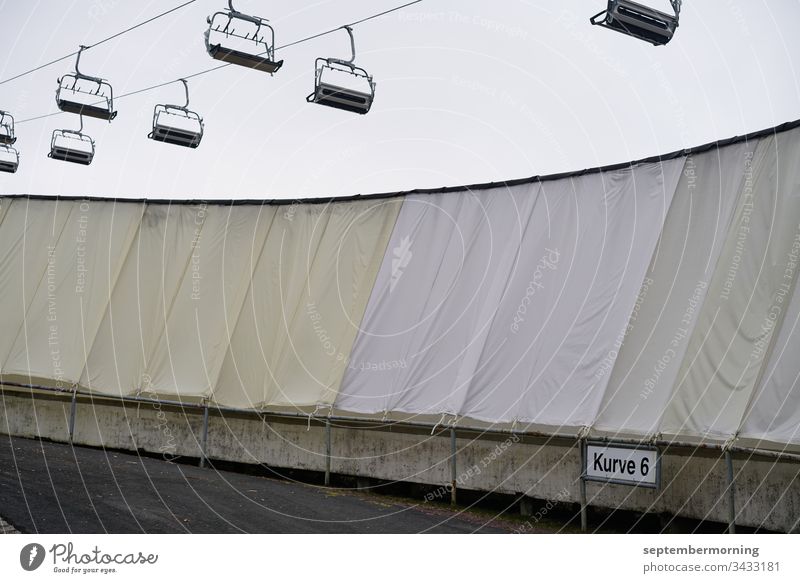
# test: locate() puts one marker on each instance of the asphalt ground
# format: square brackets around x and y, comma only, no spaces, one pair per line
[50,487]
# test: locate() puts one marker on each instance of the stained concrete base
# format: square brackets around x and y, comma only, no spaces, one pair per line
[767,492]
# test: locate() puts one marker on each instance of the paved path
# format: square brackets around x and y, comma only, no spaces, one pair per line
[55,488]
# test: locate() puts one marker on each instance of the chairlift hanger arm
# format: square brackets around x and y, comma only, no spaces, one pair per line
[78,71]
[347,62]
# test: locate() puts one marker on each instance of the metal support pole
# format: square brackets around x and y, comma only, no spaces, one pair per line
[204,438]
[453,469]
[73,408]
[731,493]
[327,452]
[584,513]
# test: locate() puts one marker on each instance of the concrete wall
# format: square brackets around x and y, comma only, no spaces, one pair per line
[767,492]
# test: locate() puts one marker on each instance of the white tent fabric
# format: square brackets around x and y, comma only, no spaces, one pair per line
[774,414]
[673,290]
[434,299]
[512,304]
[742,312]
[651,298]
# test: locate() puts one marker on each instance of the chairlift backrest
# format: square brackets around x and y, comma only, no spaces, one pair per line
[85,95]
[254,49]
[177,124]
[7,135]
[335,94]
[9,159]
[640,21]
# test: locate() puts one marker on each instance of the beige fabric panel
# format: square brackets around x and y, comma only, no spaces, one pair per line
[189,353]
[29,230]
[305,304]
[734,332]
[146,290]
[68,306]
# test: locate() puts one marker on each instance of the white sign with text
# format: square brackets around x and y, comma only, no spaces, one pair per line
[622,464]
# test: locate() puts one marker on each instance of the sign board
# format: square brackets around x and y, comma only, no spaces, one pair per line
[633,465]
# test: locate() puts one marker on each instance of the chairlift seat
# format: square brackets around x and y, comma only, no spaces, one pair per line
[7,136]
[63,150]
[170,133]
[95,111]
[11,163]
[257,62]
[177,136]
[638,21]
[342,98]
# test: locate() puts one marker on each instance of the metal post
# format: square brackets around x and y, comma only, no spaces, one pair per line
[327,452]
[453,469]
[731,493]
[72,413]
[204,438]
[584,513]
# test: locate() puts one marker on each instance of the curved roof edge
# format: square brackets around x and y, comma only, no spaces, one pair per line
[467,187]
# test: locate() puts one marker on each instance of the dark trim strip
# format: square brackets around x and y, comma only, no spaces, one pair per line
[465,188]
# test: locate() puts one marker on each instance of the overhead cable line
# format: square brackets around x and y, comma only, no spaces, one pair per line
[98,43]
[212,69]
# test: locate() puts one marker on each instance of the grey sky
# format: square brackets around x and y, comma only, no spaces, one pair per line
[468,91]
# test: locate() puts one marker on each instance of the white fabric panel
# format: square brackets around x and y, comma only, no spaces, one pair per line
[305,304]
[443,276]
[741,313]
[69,303]
[774,414]
[554,370]
[29,230]
[146,289]
[512,302]
[673,291]
[189,353]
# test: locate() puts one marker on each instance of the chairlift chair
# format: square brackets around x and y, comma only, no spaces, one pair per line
[7,136]
[84,95]
[335,95]
[176,124]
[72,146]
[639,21]
[254,49]
[9,158]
